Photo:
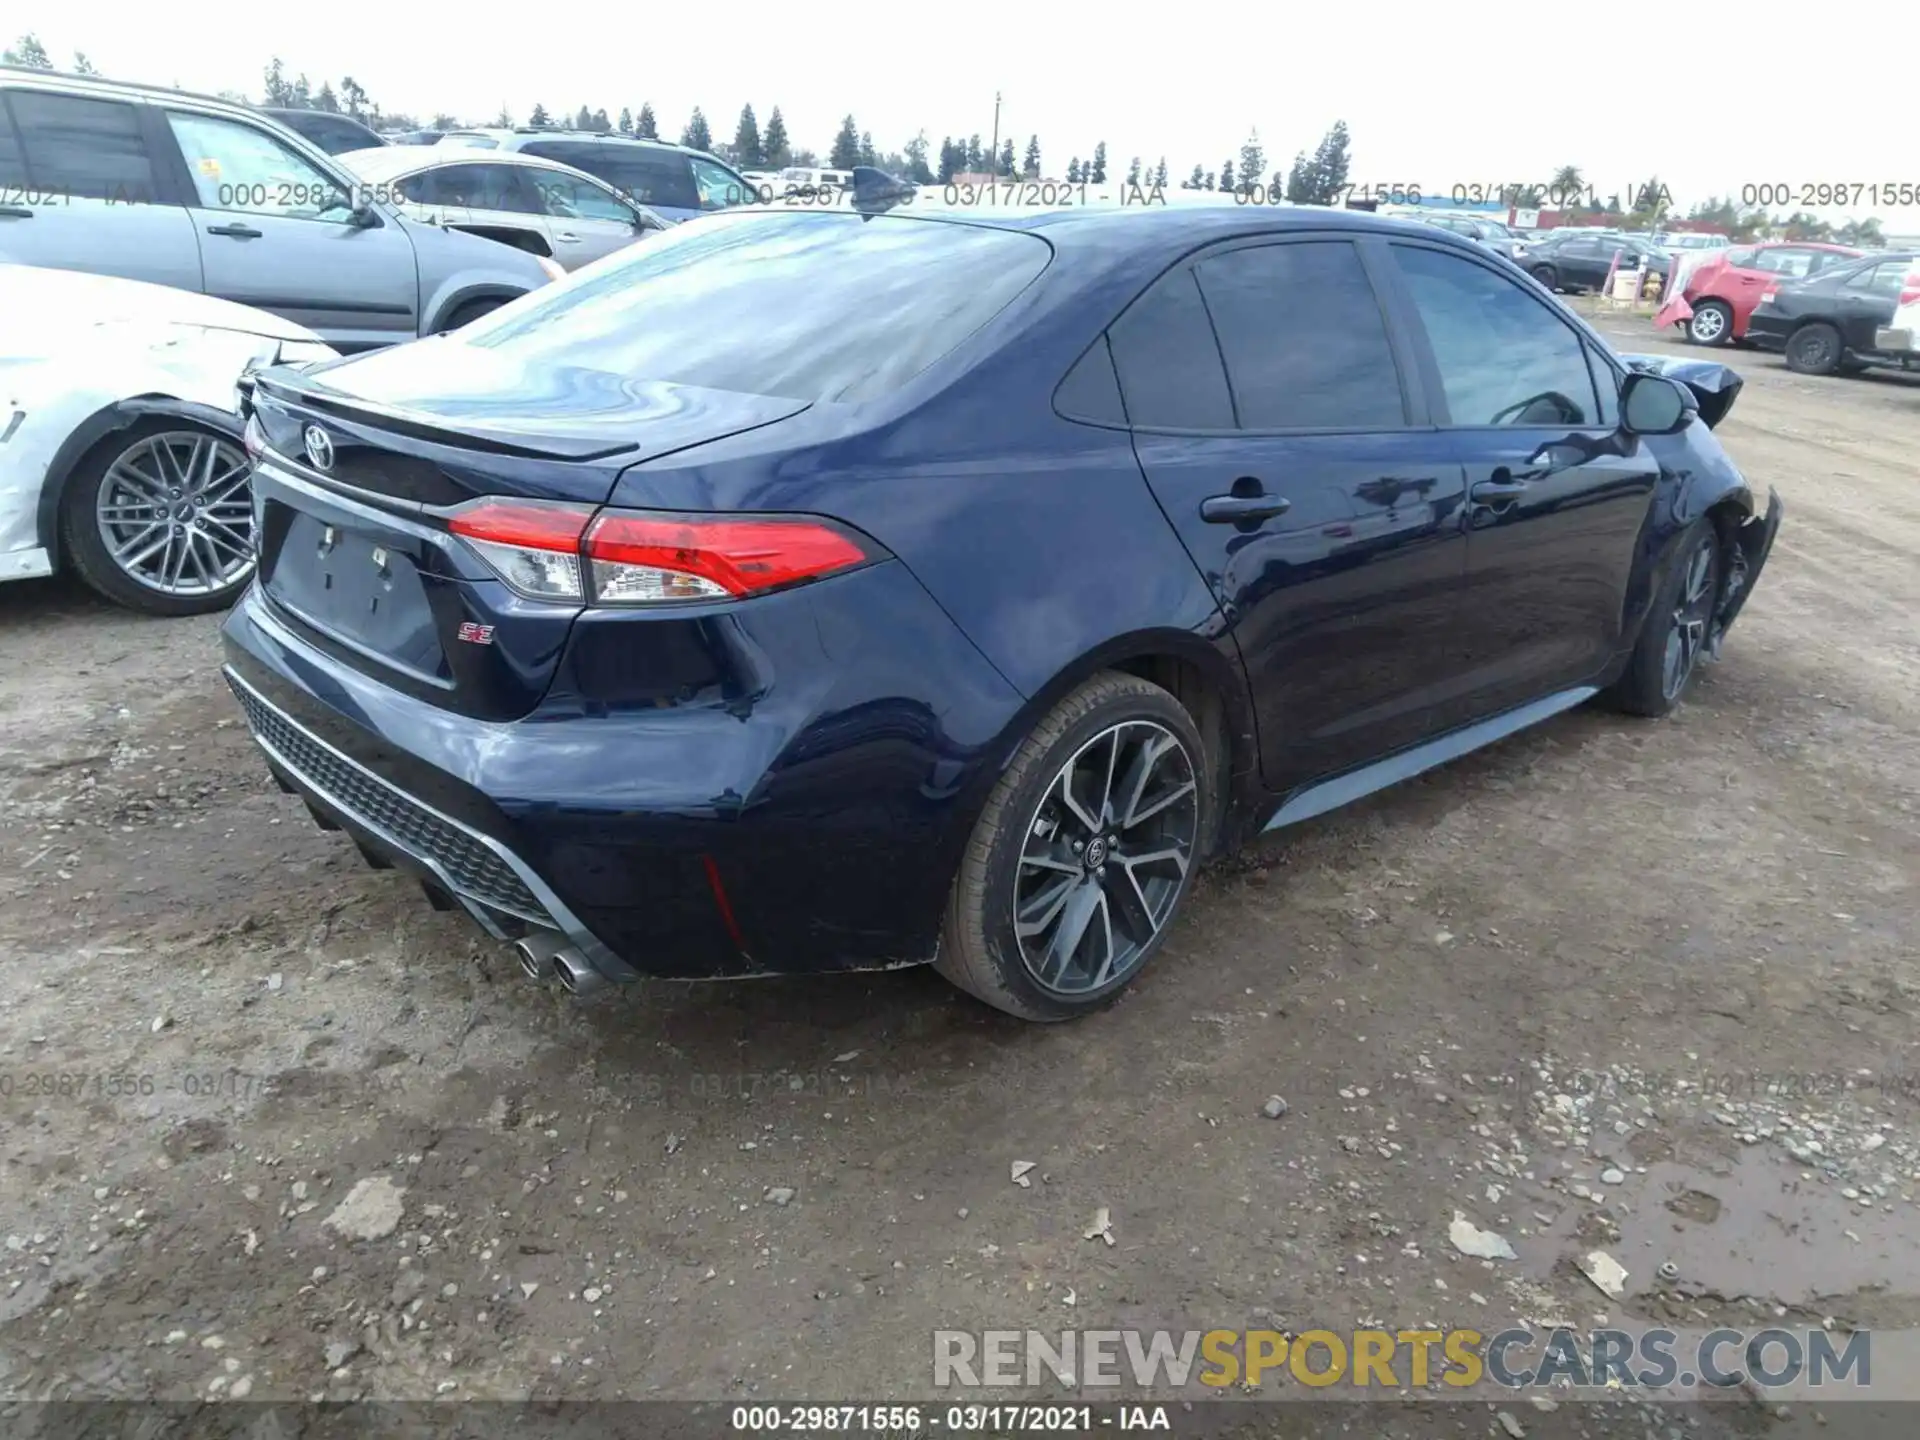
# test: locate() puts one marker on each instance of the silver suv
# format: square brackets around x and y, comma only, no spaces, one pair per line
[196,193]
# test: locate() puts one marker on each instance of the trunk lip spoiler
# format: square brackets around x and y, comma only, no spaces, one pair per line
[423,425]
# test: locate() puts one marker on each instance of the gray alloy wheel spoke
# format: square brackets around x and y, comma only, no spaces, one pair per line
[175,513]
[1105,857]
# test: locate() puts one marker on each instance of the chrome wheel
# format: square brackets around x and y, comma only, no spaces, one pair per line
[1708,325]
[175,513]
[1692,611]
[1105,858]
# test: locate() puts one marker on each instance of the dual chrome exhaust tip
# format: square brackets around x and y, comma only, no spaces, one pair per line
[545,955]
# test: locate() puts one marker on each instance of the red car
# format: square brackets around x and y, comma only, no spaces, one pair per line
[1724,290]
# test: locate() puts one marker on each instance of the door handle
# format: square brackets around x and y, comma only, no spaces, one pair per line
[1238,509]
[15,212]
[1493,490]
[567,237]
[236,231]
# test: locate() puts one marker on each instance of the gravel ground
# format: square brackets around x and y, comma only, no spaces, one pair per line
[1643,986]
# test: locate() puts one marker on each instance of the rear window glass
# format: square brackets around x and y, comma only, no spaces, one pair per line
[806,307]
[652,177]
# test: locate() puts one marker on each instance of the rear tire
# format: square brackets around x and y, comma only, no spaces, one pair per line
[1547,276]
[1814,349]
[1712,323]
[159,518]
[1677,629]
[1095,900]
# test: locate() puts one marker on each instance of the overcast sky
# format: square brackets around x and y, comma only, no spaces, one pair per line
[1437,95]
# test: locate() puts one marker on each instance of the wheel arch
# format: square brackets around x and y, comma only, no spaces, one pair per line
[1197,673]
[446,306]
[101,426]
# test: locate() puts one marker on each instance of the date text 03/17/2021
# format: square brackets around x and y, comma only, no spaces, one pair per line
[959,1419]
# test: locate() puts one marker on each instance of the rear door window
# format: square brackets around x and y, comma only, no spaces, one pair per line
[1304,342]
[652,177]
[1168,360]
[818,307]
[13,164]
[74,145]
[477,185]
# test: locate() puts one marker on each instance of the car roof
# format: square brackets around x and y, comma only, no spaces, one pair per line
[553,132]
[382,162]
[37,79]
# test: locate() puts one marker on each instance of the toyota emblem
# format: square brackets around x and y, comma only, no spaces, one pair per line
[319,448]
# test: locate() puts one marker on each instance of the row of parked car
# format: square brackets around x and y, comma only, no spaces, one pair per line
[1828,309]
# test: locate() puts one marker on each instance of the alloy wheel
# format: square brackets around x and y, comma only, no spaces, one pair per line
[1105,858]
[1691,613]
[1708,324]
[175,513]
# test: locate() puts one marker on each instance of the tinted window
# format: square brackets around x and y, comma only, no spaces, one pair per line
[1301,333]
[236,166]
[812,307]
[332,133]
[82,147]
[13,168]
[719,187]
[1091,390]
[1168,360]
[1882,279]
[474,186]
[653,177]
[567,197]
[1504,358]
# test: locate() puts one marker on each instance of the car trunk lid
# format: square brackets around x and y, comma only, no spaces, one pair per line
[357,490]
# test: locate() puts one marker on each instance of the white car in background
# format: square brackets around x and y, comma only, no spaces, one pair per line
[550,210]
[1901,335]
[121,456]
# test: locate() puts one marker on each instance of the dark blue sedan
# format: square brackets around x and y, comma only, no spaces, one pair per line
[822,590]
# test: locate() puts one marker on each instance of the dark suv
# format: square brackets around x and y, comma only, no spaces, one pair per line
[674,180]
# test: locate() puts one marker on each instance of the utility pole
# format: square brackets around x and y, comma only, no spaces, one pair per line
[993,162]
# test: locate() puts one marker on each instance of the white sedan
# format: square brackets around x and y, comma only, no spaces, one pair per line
[120,447]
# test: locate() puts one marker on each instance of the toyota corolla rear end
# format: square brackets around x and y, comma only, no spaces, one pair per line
[691,743]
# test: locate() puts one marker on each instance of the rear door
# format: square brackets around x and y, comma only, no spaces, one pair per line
[1868,297]
[80,190]
[659,179]
[485,197]
[585,220]
[1556,492]
[1278,422]
[276,231]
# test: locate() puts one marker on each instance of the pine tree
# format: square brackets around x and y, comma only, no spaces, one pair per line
[1253,160]
[1032,167]
[747,152]
[326,99]
[773,145]
[1208,184]
[976,157]
[1133,171]
[1301,187]
[1194,181]
[845,153]
[29,54]
[1073,171]
[697,136]
[583,119]
[601,122]
[504,119]
[1005,168]
[867,157]
[1226,175]
[279,92]
[539,117]
[626,121]
[1097,172]
[300,94]
[917,170]
[952,158]
[645,127]
[1330,164]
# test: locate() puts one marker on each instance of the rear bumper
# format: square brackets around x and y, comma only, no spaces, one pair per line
[803,811]
[1768,331]
[1897,341]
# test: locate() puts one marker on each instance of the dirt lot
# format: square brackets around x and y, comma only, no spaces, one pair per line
[1590,949]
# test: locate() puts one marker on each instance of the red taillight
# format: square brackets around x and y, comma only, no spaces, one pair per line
[533,546]
[641,559]
[1910,293]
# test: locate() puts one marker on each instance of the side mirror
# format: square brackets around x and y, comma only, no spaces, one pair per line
[1655,405]
[364,217]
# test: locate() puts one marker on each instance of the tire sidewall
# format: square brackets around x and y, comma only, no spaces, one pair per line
[1647,674]
[995,921]
[1833,349]
[87,552]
